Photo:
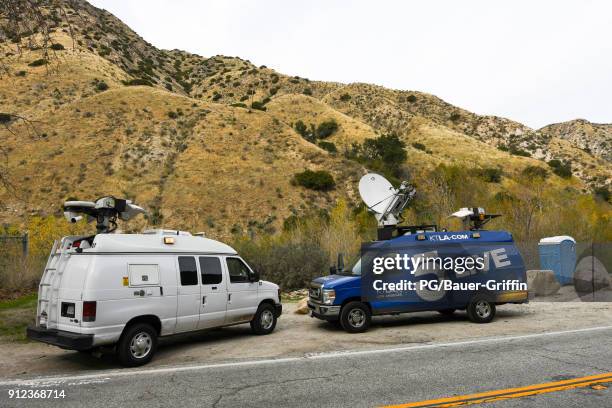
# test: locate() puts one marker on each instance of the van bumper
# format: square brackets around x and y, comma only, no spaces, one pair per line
[61,338]
[324,312]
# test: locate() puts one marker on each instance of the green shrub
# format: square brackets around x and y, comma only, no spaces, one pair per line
[563,170]
[329,146]
[345,97]
[258,105]
[101,86]
[419,146]
[5,118]
[307,91]
[238,105]
[137,82]
[535,172]
[455,117]
[172,114]
[20,73]
[319,180]
[38,62]
[216,96]
[491,174]
[603,192]
[57,47]
[411,98]
[326,129]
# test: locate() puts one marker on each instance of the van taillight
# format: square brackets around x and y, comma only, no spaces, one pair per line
[89,311]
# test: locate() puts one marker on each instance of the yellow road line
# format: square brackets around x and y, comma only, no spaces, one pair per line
[509,393]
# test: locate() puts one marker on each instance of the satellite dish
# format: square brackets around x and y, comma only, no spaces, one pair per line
[384,200]
[376,192]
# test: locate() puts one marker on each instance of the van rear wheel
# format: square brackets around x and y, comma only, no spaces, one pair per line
[137,345]
[481,310]
[264,321]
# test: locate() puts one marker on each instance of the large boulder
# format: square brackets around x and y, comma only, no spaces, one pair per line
[302,306]
[542,282]
[591,276]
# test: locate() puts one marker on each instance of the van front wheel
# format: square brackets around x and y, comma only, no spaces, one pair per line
[264,321]
[355,317]
[137,345]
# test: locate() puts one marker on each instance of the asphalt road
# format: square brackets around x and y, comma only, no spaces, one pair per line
[354,379]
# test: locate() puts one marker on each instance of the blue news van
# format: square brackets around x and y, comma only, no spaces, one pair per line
[349,298]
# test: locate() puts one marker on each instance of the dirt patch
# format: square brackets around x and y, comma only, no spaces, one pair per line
[297,335]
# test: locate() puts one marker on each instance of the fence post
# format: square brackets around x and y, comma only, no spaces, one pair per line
[25,244]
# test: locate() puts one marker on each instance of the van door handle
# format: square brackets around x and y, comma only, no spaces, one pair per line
[204,300]
[214,288]
[229,298]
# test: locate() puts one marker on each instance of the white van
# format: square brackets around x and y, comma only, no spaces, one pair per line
[129,289]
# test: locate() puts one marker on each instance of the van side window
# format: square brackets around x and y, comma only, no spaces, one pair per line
[238,271]
[210,269]
[188,269]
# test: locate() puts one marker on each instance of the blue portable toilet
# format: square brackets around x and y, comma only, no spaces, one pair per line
[559,255]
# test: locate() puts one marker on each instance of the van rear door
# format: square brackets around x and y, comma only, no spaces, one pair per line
[214,292]
[188,310]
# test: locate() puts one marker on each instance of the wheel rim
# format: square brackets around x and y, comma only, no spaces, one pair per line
[267,319]
[141,345]
[483,309]
[356,318]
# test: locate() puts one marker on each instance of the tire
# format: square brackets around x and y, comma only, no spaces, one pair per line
[137,345]
[481,309]
[447,312]
[355,317]
[264,321]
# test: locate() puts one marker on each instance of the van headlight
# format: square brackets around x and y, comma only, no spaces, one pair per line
[329,295]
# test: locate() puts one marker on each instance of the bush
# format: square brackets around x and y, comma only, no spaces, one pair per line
[329,146]
[455,117]
[238,105]
[326,129]
[419,146]
[38,63]
[603,193]
[345,97]
[563,170]
[172,114]
[411,98]
[319,180]
[57,47]
[137,82]
[20,73]
[307,91]
[491,174]
[101,86]
[301,128]
[258,105]
[292,265]
[535,172]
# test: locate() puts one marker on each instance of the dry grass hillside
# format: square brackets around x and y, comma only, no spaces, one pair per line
[213,144]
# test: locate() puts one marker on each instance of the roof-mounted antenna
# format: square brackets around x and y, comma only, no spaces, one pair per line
[104,210]
[385,201]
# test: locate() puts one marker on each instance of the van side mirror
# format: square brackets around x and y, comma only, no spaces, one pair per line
[254,277]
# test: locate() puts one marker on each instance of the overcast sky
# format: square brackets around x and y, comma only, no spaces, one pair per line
[537,62]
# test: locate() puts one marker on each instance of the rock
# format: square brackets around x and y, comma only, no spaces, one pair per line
[591,276]
[542,283]
[302,307]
